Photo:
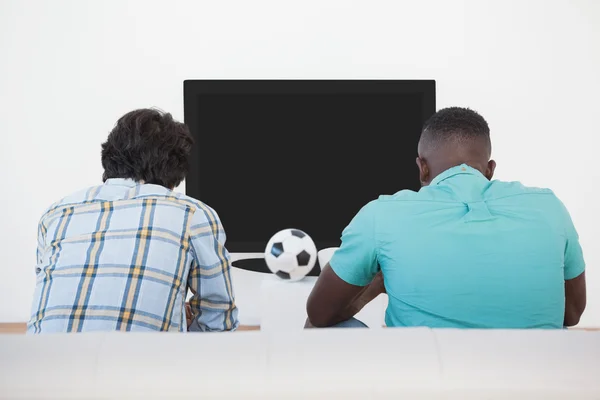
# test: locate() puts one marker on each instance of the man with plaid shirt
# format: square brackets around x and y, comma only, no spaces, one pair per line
[121,256]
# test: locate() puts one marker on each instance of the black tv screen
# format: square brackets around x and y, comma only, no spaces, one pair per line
[279,154]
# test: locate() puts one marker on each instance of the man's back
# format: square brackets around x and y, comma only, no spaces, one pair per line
[121,256]
[470,253]
[464,251]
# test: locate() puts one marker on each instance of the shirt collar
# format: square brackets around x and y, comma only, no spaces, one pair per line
[121,182]
[462,169]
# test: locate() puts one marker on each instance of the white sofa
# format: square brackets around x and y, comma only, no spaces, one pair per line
[344,364]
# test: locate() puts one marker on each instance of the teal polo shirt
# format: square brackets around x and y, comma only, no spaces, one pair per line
[465,252]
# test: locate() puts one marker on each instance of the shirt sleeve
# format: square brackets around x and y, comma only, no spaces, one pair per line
[355,261]
[574,261]
[213,302]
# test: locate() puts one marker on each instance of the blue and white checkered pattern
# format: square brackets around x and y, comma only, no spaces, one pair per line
[121,256]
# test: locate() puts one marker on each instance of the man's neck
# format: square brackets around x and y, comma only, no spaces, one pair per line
[445,166]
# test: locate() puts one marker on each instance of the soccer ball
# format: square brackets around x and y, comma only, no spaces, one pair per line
[291,254]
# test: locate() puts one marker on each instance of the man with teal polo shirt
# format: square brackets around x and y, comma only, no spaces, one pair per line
[462,252]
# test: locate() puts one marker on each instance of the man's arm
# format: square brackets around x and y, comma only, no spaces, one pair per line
[348,282]
[213,301]
[333,300]
[575,299]
[575,287]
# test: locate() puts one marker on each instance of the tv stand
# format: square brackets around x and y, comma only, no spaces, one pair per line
[260,265]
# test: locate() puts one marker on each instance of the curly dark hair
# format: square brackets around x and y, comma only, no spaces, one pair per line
[455,124]
[148,146]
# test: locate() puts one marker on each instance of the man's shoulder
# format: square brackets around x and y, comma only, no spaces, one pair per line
[504,189]
[382,204]
[409,199]
[433,197]
[195,203]
[79,197]
[201,209]
[402,195]
[527,198]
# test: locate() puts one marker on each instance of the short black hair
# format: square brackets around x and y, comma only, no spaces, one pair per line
[455,124]
[148,145]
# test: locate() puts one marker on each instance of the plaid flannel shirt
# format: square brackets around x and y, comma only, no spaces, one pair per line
[121,256]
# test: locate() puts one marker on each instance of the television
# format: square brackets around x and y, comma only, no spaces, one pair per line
[304,154]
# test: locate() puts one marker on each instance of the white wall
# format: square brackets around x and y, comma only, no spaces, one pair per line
[69,69]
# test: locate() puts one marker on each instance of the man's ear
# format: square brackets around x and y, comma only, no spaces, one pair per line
[423,171]
[491,167]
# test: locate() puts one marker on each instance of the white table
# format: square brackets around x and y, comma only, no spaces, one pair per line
[283,305]
[275,304]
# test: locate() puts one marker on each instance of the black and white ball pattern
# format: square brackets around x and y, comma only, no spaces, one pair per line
[291,254]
